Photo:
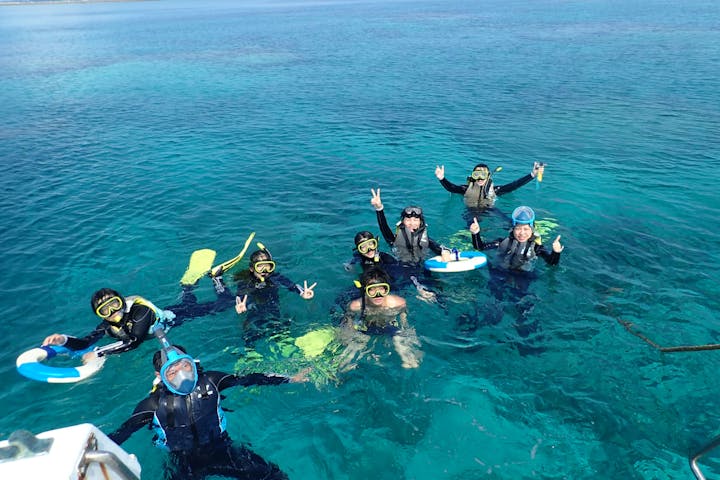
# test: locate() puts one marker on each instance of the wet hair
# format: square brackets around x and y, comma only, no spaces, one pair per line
[259,256]
[362,236]
[481,165]
[374,275]
[98,297]
[157,357]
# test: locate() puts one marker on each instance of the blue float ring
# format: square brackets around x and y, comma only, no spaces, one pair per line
[30,364]
[466,261]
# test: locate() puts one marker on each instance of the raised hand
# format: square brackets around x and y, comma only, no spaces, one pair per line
[375,201]
[440,172]
[241,304]
[475,226]
[556,246]
[538,169]
[307,292]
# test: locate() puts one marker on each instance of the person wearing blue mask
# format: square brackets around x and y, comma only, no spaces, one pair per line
[513,269]
[519,250]
[184,411]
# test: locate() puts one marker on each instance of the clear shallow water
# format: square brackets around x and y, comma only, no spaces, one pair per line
[135,133]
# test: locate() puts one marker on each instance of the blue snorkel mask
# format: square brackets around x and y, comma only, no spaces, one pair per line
[523,215]
[178,371]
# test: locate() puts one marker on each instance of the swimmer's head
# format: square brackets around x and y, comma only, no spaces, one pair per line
[412,217]
[176,369]
[480,173]
[375,284]
[108,304]
[366,244]
[523,223]
[261,263]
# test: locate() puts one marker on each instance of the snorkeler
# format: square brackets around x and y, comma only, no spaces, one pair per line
[128,319]
[378,312]
[411,243]
[410,239]
[367,255]
[480,192]
[258,295]
[519,250]
[185,413]
[513,271]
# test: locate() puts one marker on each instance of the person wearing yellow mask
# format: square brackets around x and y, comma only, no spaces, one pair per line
[129,320]
[480,192]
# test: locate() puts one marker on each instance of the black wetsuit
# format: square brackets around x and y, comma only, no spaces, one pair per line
[192,428]
[514,275]
[411,248]
[133,330]
[263,318]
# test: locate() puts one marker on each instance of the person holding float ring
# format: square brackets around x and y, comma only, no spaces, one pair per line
[480,192]
[128,319]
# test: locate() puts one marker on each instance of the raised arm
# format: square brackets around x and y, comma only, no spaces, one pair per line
[537,168]
[387,233]
[450,187]
[477,240]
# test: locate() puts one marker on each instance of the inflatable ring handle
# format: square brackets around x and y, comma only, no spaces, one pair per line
[467,261]
[29,364]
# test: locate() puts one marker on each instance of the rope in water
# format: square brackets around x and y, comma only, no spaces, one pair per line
[681,348]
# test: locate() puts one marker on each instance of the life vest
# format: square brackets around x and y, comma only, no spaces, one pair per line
[516,255]
[186,422]
[410,247]
[477,196]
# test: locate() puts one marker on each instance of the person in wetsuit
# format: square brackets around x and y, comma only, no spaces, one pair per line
[480,193]
[129,320]
[258,296]
[185,413]
[367,255]
[513,270]
[378,312]
[411,243]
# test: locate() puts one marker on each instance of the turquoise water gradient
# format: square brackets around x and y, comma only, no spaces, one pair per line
[134,133]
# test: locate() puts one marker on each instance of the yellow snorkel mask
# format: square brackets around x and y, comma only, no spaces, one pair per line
[367,245]
[109,307]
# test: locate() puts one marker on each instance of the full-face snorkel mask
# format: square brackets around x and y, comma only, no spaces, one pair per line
[523,215]
[178,371]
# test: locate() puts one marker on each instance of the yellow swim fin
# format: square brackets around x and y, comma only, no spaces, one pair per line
[200,263]
[314,343]
[225,266]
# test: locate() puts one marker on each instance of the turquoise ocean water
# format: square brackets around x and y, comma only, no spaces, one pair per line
[135,133]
